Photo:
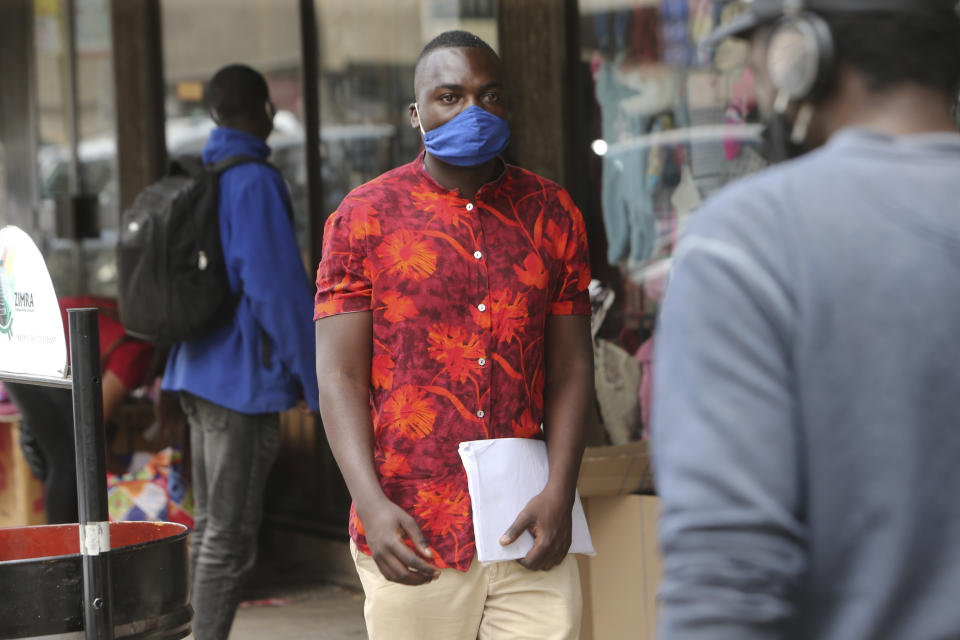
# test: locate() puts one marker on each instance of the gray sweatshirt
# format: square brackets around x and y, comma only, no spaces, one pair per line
[806,415]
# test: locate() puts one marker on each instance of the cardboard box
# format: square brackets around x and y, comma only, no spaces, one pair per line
[21,495]
[616,470]
[620,583]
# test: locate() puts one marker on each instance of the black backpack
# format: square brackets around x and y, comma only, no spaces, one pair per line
[173,284]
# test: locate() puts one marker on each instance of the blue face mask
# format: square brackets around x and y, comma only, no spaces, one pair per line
[473,137]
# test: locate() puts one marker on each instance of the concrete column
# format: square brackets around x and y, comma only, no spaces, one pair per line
[138,75]
[539,47]
[18,153]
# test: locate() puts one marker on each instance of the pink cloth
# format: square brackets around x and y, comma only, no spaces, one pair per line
[7,408]
[644,356]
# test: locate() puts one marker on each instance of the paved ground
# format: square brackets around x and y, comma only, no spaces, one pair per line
[320,612]
[314,612]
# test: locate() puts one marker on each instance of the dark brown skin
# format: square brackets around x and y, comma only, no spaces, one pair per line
[448,81]
[258,123]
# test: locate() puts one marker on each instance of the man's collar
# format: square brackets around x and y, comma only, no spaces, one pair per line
[421,168]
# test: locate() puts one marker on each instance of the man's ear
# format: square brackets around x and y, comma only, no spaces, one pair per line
[414,115]
[215,115]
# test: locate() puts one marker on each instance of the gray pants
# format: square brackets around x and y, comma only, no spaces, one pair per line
[232,453]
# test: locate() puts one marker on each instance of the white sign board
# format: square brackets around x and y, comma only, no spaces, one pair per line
[31,329]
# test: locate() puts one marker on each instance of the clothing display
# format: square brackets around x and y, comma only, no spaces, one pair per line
[158,491]
[616,379]
[460,291]
[678,123]
[627,209]
[644,358]
[601,299]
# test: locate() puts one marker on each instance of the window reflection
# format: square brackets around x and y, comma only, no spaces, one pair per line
[670,123]
[368,52]
[200,37]
[76,156]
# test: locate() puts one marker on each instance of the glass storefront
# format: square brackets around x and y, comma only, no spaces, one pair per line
[367,52]
[76,155]
[670,124]
[666,125]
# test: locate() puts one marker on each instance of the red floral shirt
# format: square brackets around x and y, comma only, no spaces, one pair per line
[460,291]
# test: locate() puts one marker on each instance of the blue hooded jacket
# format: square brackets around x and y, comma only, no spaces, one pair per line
[263,361]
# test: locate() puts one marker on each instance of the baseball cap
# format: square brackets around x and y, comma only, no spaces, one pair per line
[759,12]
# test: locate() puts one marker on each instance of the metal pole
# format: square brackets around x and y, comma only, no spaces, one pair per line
[91,473]
[310,51]
[69,17]
[71,100]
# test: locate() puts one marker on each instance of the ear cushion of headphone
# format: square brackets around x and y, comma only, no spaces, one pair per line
[800,56]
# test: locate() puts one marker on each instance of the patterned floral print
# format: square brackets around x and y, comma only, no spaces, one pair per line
[460,291]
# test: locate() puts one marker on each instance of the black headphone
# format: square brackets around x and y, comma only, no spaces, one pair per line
[801,52]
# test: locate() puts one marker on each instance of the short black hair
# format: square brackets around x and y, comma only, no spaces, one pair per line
[449,39]
[237,90]
[922,47]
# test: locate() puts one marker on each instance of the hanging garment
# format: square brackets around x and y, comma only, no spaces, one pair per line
[617,378]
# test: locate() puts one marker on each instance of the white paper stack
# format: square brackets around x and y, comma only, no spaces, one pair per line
[503,475]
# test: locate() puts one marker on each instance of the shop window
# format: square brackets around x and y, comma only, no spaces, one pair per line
[368,51]
[200,37]
[669,124]
[76,155]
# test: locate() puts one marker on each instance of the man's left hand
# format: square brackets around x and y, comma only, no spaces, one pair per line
[548,516]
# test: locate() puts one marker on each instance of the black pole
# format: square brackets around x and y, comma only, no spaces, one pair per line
[91,473]
[310,52]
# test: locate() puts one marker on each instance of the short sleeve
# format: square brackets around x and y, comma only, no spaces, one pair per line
[344,284]
[129,361]
[567,242]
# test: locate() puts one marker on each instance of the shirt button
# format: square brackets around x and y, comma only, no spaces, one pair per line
[480,413]
[481,307]
[482,361]
[469,206]
[477,255]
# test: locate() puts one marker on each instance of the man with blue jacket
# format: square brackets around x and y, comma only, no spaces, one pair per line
[234,382]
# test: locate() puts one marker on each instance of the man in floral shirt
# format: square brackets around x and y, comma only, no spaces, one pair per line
[452,306]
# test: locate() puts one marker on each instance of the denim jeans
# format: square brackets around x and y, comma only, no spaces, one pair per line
[232,453]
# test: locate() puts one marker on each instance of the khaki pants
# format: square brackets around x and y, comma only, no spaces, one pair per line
[502,601]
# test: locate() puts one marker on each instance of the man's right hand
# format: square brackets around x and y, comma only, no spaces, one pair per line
[344,356]
[387,528]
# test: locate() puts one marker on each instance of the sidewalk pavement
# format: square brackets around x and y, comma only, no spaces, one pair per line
[313,612]
[317,612]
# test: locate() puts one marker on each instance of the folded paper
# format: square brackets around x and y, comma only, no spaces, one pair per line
[503,475]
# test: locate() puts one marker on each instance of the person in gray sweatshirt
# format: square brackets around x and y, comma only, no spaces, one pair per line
[806,414]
